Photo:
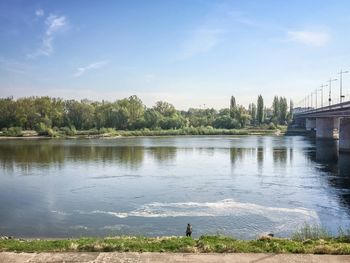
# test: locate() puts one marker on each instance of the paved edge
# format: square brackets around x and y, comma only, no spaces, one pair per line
[96,257]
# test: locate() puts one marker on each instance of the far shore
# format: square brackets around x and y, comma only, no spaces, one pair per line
[114,134]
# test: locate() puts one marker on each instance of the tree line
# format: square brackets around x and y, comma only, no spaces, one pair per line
[42,113]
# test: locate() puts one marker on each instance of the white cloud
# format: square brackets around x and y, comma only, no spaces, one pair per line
[83,70]
[39,12]
[202,41]
[309,38]
[53,24]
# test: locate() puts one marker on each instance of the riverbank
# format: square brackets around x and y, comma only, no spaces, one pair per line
[204,244]
[112,133]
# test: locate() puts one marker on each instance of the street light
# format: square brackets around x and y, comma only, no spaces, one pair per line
[341,84]
[330,90]
[312,100]
[322,86]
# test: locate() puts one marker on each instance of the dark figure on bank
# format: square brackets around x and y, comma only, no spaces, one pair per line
[188,230]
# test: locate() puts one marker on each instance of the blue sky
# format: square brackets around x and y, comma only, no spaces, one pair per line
[187,52]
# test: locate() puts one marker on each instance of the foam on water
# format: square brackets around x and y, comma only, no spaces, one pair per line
[282,218]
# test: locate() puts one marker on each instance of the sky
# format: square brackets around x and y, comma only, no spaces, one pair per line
[191,53]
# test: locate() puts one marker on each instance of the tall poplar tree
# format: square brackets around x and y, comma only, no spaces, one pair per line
[260,110]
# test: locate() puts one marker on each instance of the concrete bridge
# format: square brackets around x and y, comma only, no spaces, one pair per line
[330,122]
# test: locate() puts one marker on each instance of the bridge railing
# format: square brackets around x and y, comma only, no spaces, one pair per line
[308,110]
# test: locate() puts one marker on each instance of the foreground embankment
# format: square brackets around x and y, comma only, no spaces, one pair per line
[204,244]
[167,257]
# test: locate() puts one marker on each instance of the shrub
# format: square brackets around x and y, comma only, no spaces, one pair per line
[271,126]
[42,129]
[13,132]
[70,131]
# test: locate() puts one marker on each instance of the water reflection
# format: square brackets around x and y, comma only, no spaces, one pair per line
[239,154]
[327,151]
[163,154]
[280,154]
[334,165]
[28,155]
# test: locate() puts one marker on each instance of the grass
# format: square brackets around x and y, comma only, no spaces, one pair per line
[110,132]
[204,244]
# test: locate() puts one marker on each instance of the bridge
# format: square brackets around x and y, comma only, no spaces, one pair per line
[329,122]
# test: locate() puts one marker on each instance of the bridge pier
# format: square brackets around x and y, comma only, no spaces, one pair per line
[344,135]
[310,124]
[327,128]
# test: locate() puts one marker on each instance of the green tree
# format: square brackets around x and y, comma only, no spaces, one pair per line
[260,110]
[152,118]
[233,107]
[276,110]
[7,113]
[165,108]
[291,108]
[252,112]
[283,111]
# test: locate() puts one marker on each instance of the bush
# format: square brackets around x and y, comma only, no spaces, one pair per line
[42,129]
[13,132]
[70,131]
[271,126]
[52,132]
[109,131]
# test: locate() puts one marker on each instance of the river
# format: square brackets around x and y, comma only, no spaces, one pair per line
[234,185]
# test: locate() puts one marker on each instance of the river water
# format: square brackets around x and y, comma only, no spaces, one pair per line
[233,185]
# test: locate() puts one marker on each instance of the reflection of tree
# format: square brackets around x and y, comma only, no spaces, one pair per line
[291,155]
[27,155]
[279,154]
[240,153]
[260,157]
[163,154]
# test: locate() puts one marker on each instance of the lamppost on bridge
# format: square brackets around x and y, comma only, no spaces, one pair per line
[322,86]
[341,84]
[330,90]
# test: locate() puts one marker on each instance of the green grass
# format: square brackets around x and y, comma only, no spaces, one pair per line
[204,244]
[67,132]
[174,132]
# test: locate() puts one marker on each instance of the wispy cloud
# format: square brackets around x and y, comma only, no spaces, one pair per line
[53,24]
[201,41]
[14,66]
[96,65]
[309,38]
[39,12]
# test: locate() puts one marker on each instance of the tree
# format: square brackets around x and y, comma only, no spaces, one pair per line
[260,110]
[165,108]
[233,107]
[242,116]
[152,118]
[225,122]
[291,108]
[276,110]
[7,113]
[252,112]
[283,111]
